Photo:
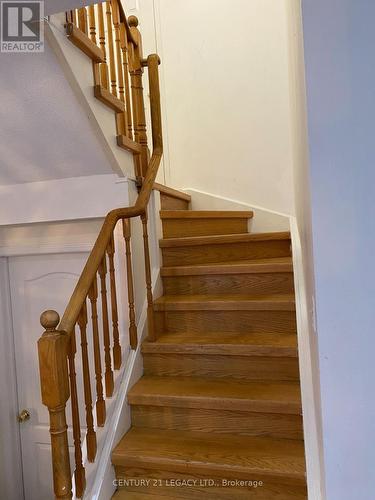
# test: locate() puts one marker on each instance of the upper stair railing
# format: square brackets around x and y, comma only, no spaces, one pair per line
[57,346]
[114,44]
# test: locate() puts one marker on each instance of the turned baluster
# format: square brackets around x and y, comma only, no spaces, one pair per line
[106,338]
[112,278]
[100,403]
[139,118]
[52,350]
[103,66]
[121,118]
[82,20]
[79,473]
[112,64]
[132,326]
[90,435]
[125,56]
[150,301]
[92,23]
[71,17]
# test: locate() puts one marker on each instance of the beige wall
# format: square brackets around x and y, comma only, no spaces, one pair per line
[226,97]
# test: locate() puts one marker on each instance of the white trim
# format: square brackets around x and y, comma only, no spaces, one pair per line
[103,487]
[63,199]
[308,375]
[264,220]
[231,200]
[17,250]
[11,479]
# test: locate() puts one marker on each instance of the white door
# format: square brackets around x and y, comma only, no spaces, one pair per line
[37,282]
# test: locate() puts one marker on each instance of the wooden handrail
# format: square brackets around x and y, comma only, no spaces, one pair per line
[57,347]
[133,39]
[82,288]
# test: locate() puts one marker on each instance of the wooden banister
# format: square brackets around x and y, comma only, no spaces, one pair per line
[53,349]
[57,346]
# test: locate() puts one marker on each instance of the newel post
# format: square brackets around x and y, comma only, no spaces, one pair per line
[53,369]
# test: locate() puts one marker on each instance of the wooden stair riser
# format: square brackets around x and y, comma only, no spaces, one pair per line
[199,486]
[180,228]
[226,321]
[252,283]
[276,425]
[172,203]
[209,253]
[239,367]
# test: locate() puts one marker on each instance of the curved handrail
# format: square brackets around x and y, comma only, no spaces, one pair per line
[88,274]
[130,23]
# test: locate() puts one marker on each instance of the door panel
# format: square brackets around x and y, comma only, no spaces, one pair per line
[37,283]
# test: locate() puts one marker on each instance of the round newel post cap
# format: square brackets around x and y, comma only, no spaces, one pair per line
[133,21]
[49,320]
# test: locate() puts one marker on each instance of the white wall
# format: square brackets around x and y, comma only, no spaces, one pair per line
[340,76]
[303,259]
[226,98]
[45,132]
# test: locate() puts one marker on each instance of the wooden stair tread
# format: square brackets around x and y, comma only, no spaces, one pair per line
[228,343]
[107,98]
[271,265]
[203,453]
[221,394]
[284,302]
[222,239]
[175,193]
[205,214]
[133,495]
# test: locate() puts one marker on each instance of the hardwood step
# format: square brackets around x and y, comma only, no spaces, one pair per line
[215,394]
[213,249]
[175,405]
[219,366]
[183,223]
[83,42]
[276,425]
[128,144]
[277,302]
[255,266]
[122,494]
[247,356]
[259,276]
[227,343]
[172,199]
[245,321]
[159,484]
[108,99]
[212,455]
[199,313]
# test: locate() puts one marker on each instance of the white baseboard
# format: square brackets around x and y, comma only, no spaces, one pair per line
[103,486]
[309,375]
[264,220]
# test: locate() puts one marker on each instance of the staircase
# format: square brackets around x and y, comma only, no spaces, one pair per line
[217,413]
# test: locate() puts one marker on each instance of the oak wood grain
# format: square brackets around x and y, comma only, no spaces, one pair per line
[226,394]
[228,343]
[277,425]
[197,487]
[226,455]
[221,366]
